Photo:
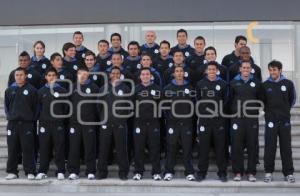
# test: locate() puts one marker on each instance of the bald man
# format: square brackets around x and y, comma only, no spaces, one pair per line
[150,47]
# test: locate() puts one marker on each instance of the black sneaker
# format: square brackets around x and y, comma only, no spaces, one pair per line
[223,178]
[201,177]
[123,177]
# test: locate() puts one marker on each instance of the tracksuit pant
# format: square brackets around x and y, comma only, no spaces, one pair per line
[82,136]
[244,133]
[147,133]
[116,131]
[52,138]
[207,134]
[20,140]
[282,130]
[179,133]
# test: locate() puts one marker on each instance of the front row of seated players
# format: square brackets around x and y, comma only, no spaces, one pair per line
[116,101]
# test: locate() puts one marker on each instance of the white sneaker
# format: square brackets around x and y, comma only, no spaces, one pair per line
[168,177]
[60,176]
[30,177]
[11,176]
[290,178]
[91,176]
[156,177]
[73,176]
[251,178]
[137,177]
[268,177]
[237,177]
[41,176]
[190,177]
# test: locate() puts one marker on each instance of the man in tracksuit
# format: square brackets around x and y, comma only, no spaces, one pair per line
[211,126]
[163,61]
[70,63]
[82,131]
[33,77]
[114,95]
[234,57]
[104,56]
[96,74]
[51,130]
[279,96]
[179,123]
[21,112]
[245,102]
[182,45]
[80,49]
[147,125]
[132,61]
[116,46]
[150,47]
[245,55]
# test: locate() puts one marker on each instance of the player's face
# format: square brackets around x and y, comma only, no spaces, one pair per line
[90,61]
[71,52]
[39,50]
[24,61]
[133,50]
[145,76]
[150,37]
[274,72]
[245,69]
[146,61]
[210,55]
[115,75]
[82,76]
[211,71]
[103,48]
[181,38]
[78,39]
[115,42]
[116,60]
[245,54]
[20,77]
[240,44]
[57,62]
[164,49]
[178,58]
[51,77]
[199,45]
[179,73]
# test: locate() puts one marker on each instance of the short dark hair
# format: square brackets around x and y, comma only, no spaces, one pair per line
[213,63]
[21,69]
[115,67]
[245,62]
[77,33]
[90,53]
[116,34]
[165,42]
[145,68]
[103,41]
[210,48]
[24,54]
[239,38]
[181,31]
[146,54]
[176,51]
[275,63]
[200,38]
[51,69]
[67,46]
[54,55]
[176,66]
[133,43]
[83,68]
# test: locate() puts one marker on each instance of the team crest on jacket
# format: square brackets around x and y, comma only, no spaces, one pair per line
[25,92]
[156,51]
[218,87]
[187,54]
[44,66]
[29,76]
[283,88]
[252,84]
[62,77]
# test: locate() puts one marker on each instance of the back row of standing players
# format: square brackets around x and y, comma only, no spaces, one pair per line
[162,60]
